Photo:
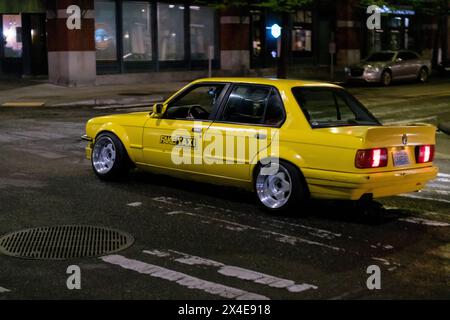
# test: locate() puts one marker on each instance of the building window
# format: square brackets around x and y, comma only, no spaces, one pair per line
[171,31]
[137,39]
[202,28]
[302,31]
[256,26]
[12,36]
[105,30]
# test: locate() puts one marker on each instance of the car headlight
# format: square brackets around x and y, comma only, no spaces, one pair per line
[371,69]
[347,70]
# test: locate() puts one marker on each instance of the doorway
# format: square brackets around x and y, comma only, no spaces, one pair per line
[23,50]
[35,59]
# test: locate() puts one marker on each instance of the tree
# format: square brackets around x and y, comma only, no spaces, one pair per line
[284,7]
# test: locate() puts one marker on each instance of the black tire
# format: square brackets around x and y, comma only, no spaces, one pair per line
[386,78]
[117,167]
[423,75]
[297,200]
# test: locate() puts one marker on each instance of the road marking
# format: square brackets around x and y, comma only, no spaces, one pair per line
[24,104]
[134,204]
[393,265]
[423,197]
[437,186]
[3,290]
[280,237]
[425,222]
[317,232]
[235,272]
[413,210]
[443,192]
[445,175]
[182,279]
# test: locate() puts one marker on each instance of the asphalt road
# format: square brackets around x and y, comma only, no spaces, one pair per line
[214,238]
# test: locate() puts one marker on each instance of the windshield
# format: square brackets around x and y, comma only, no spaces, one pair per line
[332,107]
[380,56]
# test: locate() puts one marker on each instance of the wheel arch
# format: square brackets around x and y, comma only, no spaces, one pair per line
[296,161]
[386,69]
[120,133]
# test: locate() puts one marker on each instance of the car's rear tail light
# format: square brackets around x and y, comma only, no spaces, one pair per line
[424,154]
[371,158]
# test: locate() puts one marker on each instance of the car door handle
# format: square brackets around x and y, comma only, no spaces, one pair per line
[197,130]
[260,136]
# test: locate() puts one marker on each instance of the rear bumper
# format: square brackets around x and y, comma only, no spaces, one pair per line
[352,186]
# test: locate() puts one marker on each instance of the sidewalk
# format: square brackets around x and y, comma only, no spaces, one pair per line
[29,94]
[40,93]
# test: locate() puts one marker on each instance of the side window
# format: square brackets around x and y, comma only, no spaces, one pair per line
[275,110]
[405,56]
[401,55]
[412,56]
[197,103]
[254,105]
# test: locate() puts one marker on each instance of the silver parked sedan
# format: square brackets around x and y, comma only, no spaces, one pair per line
[386,66]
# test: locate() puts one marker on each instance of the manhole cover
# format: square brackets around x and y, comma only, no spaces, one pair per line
[64,242]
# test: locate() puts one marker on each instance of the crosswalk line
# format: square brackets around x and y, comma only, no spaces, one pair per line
[431,198]
[182,279]
[4,290]
[437,186]
[436,190]
[233,271]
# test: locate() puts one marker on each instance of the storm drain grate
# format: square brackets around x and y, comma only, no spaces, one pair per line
[64,242]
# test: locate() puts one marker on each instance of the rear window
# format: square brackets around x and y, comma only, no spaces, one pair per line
[332,107]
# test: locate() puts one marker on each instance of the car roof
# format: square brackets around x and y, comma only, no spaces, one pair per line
[269,81]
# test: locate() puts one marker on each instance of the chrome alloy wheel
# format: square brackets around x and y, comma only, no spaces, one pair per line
[103,155]
[274,190]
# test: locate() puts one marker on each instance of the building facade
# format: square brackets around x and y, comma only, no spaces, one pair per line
[126,37]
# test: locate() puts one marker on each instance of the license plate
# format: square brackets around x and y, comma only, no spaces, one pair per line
[401,158]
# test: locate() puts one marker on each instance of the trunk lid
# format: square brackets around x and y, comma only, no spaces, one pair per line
[397,136]
[400,141]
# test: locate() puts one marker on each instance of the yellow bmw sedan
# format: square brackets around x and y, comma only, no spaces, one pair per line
[286,140]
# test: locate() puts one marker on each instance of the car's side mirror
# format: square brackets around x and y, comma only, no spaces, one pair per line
[157,108]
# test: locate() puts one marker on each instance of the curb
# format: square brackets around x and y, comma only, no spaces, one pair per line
[111,102]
